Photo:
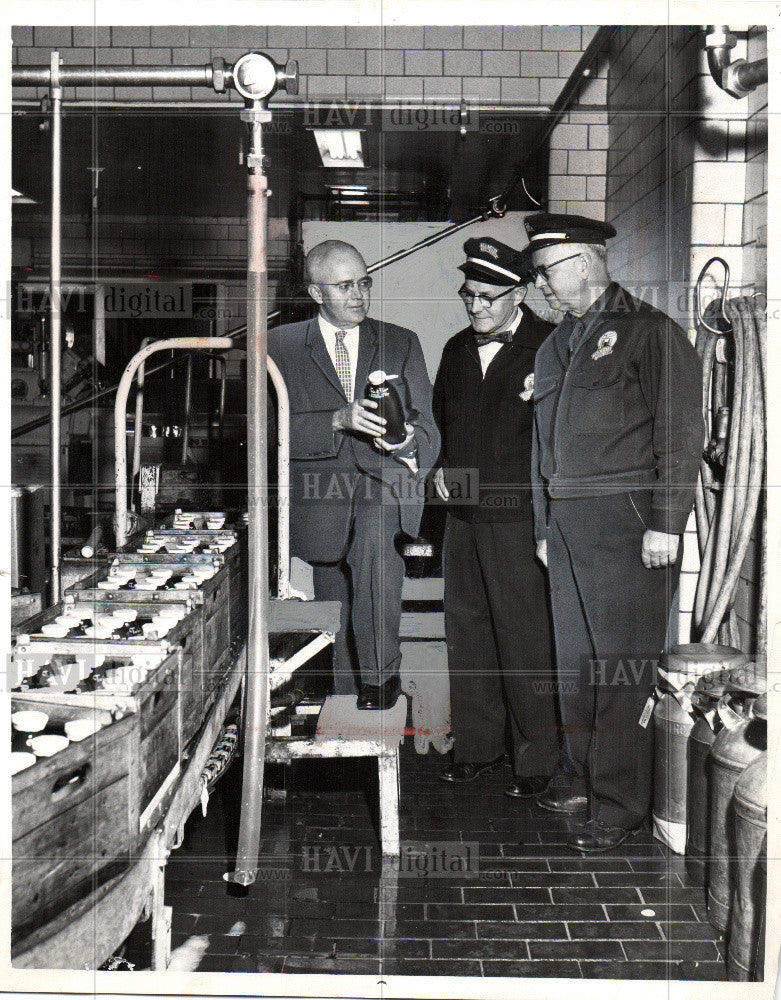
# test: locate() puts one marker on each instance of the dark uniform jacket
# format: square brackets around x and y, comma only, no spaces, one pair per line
[326,466]
[624,413]
[486,422]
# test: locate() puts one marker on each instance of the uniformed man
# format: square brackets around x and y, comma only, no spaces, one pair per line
[617,399]
[496,615]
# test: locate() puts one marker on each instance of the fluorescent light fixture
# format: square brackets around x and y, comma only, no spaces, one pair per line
[339,148]
[21,199]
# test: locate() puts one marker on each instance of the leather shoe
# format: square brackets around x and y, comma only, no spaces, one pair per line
[380,696]
[564,795]
[527,787]
[469,770]
[594,837]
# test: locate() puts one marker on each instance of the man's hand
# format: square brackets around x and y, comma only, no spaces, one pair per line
[384,446]
[439,485]
[542,552]
[358,418]
[659,549]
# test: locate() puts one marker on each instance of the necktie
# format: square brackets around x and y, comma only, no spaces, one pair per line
[342,357]
[503,337]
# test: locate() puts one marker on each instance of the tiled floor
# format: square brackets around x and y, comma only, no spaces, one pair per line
[322,902]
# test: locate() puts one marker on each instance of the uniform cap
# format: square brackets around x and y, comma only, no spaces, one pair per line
[495,263]
[547,229]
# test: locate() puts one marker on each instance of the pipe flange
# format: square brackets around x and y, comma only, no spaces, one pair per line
[730,79]
[218,74]
[287,77]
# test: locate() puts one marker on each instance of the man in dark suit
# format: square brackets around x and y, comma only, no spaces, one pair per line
[352,493]
[496,614]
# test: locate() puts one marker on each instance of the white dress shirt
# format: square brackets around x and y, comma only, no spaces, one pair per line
[328,331]
[488,352]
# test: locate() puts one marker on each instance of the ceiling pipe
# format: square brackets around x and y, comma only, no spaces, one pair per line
[738,78]
[218,74]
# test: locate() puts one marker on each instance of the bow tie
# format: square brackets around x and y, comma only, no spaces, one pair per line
[502,337]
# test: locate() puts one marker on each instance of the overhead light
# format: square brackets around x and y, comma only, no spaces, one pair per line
[339,148]
[350,189]
[21,199]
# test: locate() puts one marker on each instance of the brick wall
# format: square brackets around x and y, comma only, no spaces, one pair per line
[511,65]
[682,157]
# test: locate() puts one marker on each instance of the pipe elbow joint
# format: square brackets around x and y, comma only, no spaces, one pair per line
[719,43]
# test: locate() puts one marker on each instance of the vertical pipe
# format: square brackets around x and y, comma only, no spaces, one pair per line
[283,481]
[99,325]
[188,396]
[56,327]
[257,693]
[221,411]
[139,421]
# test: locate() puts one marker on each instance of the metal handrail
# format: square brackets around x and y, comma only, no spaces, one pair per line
[137,365]
[120,416]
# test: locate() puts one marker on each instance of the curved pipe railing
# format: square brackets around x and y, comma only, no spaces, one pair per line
[138,365]
[120,416]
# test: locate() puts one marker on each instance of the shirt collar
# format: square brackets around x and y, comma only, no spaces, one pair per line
[326,327]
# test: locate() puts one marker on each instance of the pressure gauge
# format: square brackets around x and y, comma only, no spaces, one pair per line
[255,76]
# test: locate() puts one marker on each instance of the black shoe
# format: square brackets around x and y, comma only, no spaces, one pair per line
[470,770]
[380,696]
[564,795]
[527,787]
[594,837]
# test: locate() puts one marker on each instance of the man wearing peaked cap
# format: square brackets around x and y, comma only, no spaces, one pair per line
[496,616]
[618,435]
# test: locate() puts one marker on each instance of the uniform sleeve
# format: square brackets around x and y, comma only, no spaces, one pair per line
[538,490]
[419,407]
[438,409]
[671,381]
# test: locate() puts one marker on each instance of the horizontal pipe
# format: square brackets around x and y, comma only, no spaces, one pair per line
[305,106]
[750,75]
[117,76]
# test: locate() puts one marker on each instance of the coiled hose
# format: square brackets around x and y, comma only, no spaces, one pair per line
[726,517]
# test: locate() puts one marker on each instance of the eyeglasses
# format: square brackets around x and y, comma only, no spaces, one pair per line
[486,301]
[363,285]
[543,270]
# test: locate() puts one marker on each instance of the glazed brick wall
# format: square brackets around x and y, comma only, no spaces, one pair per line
[480,62]
[681,188]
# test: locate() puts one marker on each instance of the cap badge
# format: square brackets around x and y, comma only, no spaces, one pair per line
[528,388]
[605,345]
[492,251]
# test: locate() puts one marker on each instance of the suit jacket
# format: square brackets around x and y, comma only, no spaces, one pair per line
[486,423]
[326,465]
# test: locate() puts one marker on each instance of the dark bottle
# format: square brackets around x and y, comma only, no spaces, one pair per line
[389,406]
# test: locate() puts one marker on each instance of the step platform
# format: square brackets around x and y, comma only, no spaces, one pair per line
[343,730]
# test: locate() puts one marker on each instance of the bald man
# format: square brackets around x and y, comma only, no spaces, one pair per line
[353,495]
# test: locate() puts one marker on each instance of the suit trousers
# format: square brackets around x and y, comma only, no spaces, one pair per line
[367,580]
[499,640]
[610,619]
